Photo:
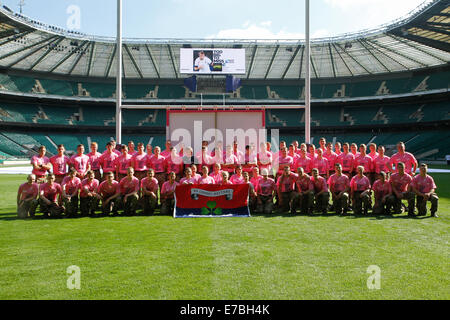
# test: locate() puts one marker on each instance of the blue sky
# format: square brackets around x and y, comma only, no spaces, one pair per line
[233,19]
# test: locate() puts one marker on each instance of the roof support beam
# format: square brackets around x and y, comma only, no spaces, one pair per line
[411,45]
[372,45]
[173,61]
[133,61]
[397,53]
[301,63]
[354,59]
[252,61]
[429,42]
[153,61]
[12,32]
[80,55]
[340,56]
[291,61]
[17,36]
[67,57]
[91,58]
[430,27]
[374,56]
[108,67]
[45,54]
[27,47]
[314,67]
[271,61]
[29,54]
[332,59]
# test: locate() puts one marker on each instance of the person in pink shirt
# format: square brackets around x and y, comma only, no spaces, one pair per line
[217,174]
[89,196]
[321,193]
[304,162]
[360,192]
[265,159]
[149,150]
[188,178]
[331,157]
[26,198]
[50,197]
[157,163]
[250,159]
[80,162]
[401,190]
[41,165]
[337,148]
[230,161]
[70,193]
[108,160]
[305,193]
[383,195]
[406,158]
[365,161]
[139,162]
[123,162]
[354,150]
[239,153]
[204,159]
[94,160]
[382,163]
[149,192]
[166,153]
[238,177]
[340,190]
[225,179]
[346,160]
[425,189]
[322,145]
[168,195]
[252,196]
[129,193]
[206,179]
[195,175]
[283,161]
[174,163]
[109,191]
[266,191]
[312,152]
[132,148]
[286,188]
[321,164]
[294,156]
[217,155]
[255,177]
[60,163]
[373,151]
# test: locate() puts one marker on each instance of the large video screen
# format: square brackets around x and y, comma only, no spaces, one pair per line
[212,61]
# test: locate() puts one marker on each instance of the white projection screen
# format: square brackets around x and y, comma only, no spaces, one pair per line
[184,121]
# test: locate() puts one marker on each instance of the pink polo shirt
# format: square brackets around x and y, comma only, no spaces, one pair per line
[80,163]
[107,190]
[407,158]
[266,188]
[88,186]
[51,192]
[71,185]
[320,184]
[60,164]
[360,184]
[150,185]
[382,164]
[27,190]
[139,162]
[107,161]
[123,163]
[400,183]
[338,183]
[287,184]
[128,186]
[423,184]
[36,160]
[381,189]
[94,160]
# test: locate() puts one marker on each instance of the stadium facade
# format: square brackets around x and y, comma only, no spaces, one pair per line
[382,85]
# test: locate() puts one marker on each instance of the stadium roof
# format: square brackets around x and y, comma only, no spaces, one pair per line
[420,40]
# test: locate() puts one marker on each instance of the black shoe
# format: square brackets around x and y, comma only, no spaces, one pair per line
[434,215]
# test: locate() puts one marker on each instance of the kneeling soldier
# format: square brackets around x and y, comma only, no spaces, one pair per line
[383,195]
[149,189]
[89,197]
[129,190]
[286,190]
[321,193]
[26,198]
[168,195]
[360,192]
[109,192]
[70,189]
[340,187]
[401,190]
[424,187]
[266,190]
[305,196]
[50,197]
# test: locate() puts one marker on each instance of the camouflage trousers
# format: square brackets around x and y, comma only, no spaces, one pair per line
[27,208]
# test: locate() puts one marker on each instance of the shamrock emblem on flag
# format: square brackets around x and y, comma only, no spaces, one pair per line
[211,209]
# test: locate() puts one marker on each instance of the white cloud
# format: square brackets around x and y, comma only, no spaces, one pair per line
[373,13]
[263,31]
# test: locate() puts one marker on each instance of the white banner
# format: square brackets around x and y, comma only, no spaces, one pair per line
[212,61]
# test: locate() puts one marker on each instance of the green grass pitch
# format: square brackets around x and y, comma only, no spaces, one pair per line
[279,257]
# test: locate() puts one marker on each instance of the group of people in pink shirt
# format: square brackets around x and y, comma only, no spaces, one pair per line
[298,177]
